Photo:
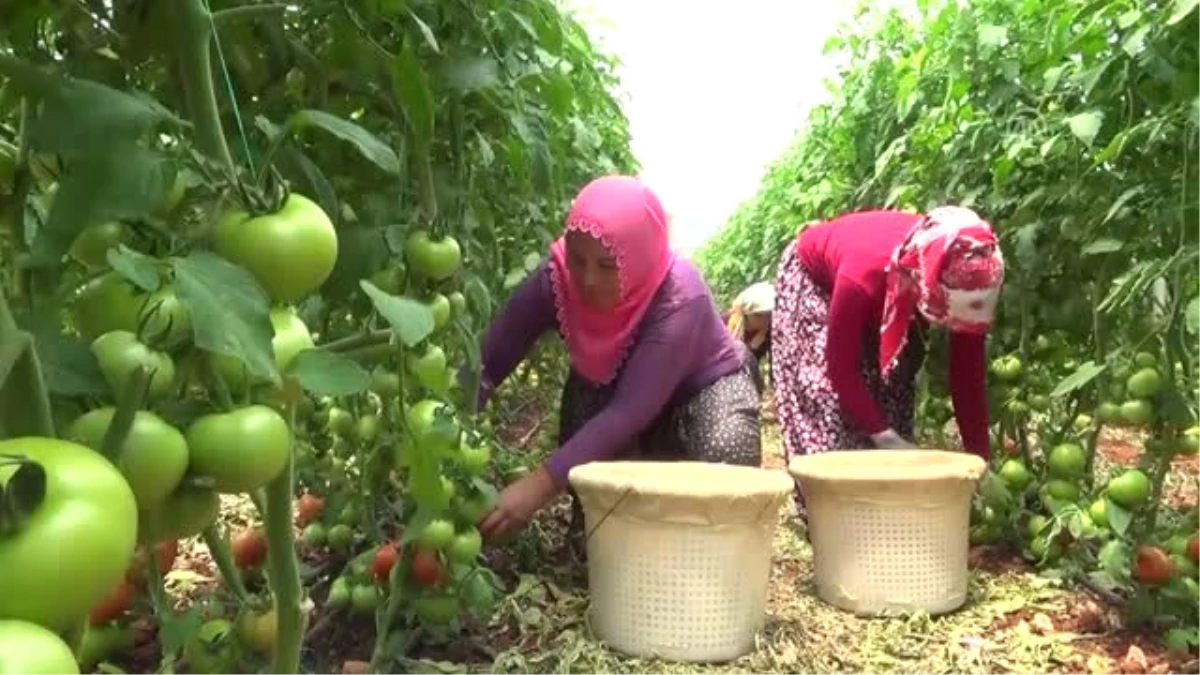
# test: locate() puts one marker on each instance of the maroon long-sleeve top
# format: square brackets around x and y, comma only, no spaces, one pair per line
[846,256]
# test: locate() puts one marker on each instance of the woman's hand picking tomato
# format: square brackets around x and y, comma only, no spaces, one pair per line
[74,546]
[518,503]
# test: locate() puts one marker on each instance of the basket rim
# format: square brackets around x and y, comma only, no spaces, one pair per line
[872,465]
[683,478]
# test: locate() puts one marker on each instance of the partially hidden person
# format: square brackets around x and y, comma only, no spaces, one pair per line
[653,372]
[749,322]
[855,298]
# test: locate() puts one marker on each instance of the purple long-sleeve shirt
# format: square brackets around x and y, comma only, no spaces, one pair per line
[682,347]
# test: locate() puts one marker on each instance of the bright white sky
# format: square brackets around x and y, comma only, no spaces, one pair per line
[713,94]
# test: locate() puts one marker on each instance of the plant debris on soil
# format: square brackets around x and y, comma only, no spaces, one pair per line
[1014,621]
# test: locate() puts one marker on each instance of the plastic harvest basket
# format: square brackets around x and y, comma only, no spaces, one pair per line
[889,528]
[679,555]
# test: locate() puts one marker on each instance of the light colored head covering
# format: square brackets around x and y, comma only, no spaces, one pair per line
[756,299]
[627,217]
[950,269]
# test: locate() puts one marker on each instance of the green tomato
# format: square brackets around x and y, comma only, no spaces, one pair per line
[436,259]
[315,535]
[213,649]
[1108,412]
[436,610]
[440,306]
[465,547]
[1015,474]
[429,367]
[120,352]
[458,303]
[1145,383]
[340,537]
[351,514]
[1099,512]
[384,382]
[291,337]
[31,649]
[76,544]
[153,458]
[474,460]
[364,598]
[437,534]
[105,304]
[290,252]
[101,643]
[1131,489]
[339,421]
[184,514]
[339,594]
[92,244]
[366,429]
[165,317]
[1067,460]
[241,450]
[432,425]
[1137,412]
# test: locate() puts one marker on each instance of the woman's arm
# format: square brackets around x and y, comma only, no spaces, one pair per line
[657,365]
[528,314]
[850,315]
[968,373]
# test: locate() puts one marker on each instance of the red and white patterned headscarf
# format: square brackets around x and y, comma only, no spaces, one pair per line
[949,268]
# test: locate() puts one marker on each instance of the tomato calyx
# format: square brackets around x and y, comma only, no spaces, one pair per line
[22,493]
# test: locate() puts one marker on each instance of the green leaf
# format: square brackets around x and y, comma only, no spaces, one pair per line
[176,630]
[1180,9]
[68,365]
[1119,517]
[138,268]
[328,373]
[367,144]
[426,31]
[412,86]
[116,184]
[1086,125]
[1114,557]
[1191,316]
[1182,640]
[230,312]
[992,36]
[410,320]
[1086,372]
[994,490]
[425,482]
[1102,246]
[82,118]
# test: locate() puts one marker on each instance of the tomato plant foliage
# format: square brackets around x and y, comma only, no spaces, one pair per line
[279,231]
[1072,127]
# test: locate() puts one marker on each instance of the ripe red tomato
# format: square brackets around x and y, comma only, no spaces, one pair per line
[1193,548]
[384,561]
[427,568]
[1151,566]
[308,508]
[249,548]
[113,605]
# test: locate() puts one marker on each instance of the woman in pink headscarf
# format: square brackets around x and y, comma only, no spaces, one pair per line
[855,296]
[654,373]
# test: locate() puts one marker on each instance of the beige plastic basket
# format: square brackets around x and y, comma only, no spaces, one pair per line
[679,555]
[889,528]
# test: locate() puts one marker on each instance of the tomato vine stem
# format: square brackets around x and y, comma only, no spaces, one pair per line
[218,548]
[193,32]
[283,570]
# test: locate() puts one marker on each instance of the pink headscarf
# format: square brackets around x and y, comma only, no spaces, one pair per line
[950,269]
[628,219]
